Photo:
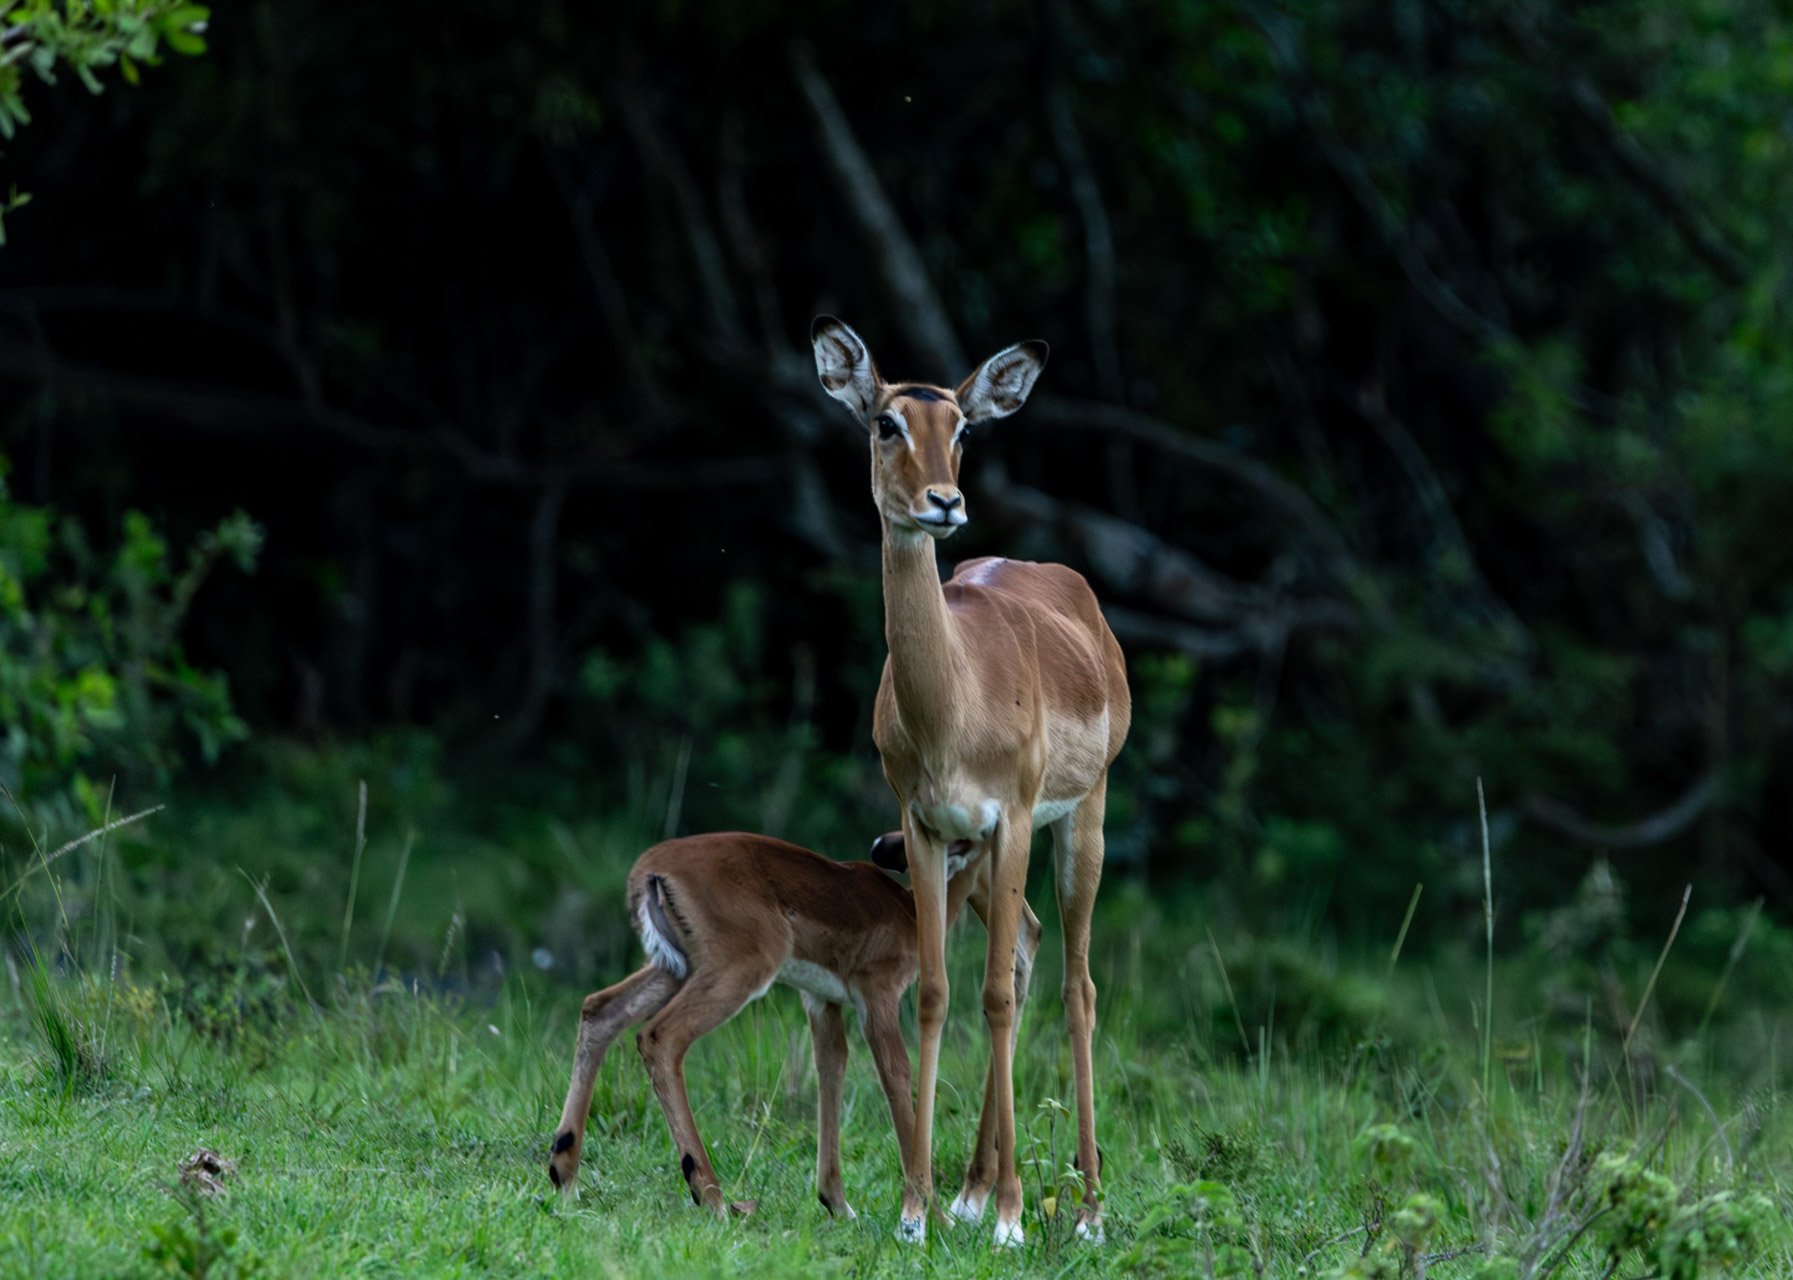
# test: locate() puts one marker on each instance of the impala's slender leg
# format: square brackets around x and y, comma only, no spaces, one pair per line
[605,1015]
[927,878]
[1077,847]
[828,1035]
[1008,884]
[980,1171]
[884,1036]
[709,998]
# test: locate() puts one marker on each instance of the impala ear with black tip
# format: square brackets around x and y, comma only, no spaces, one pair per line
[844,364]
[999,385]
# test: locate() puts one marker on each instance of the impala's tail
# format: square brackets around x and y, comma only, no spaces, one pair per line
[658,936]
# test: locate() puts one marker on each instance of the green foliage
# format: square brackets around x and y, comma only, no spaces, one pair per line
[1641,1201]
[239,1001]
[710,730]
[93,680]
[86,37]
[1219,1155]
[1683,1235]
[1718,1231]
[1194,1228]
[1383,1149]
[1504,291]
[195,1246]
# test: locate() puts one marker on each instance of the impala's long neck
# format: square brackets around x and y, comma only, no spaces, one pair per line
[924,657]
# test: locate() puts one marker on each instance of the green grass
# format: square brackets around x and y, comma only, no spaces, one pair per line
[405,1134]
[1264,1107]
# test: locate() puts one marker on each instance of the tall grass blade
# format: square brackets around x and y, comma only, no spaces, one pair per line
[45,859]
[675,799]
[1737,949]
[1406,923]
[398,887]
[37,848]
[451,937]
[1481,801]
[348,908]
[1231,999]
[98,914]
[286,947]
[1655,973]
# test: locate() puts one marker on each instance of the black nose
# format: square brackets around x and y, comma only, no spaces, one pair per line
[943,502]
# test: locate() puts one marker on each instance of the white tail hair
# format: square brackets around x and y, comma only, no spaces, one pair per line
[656,932]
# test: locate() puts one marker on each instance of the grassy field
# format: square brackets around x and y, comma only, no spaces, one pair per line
[1265,1107]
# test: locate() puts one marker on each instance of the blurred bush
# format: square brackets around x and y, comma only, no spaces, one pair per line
[94,686]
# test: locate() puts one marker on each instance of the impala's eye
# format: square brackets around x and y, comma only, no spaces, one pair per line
[963,434]
[888,427]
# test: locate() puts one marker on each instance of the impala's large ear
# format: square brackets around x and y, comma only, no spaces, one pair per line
[845,365]
[1001,383]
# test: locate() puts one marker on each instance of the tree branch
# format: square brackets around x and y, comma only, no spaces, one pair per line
[1136,562]
[661,158]
[604,285]
[1356,177]
[1434,502]
[1293,502]
[238,412]
[1655,542]
[1663,825]
[1099,270]
[1098,244]
[751,251]
[1264,635]
[538,620]
[918,307]
[1697,230]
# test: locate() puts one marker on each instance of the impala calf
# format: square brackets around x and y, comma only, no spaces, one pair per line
[1003,703]
[723,917]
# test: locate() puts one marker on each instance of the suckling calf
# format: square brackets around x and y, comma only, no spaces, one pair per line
[722,918]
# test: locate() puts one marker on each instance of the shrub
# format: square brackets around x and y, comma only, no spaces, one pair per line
[93,681]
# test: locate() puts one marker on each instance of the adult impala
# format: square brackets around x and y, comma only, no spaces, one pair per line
[1003,703]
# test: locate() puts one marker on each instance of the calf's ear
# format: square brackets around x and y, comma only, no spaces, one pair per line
[889,852]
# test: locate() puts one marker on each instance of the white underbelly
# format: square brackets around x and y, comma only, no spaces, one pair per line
[1047,812]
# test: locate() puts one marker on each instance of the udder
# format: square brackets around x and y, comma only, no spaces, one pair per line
[958,817]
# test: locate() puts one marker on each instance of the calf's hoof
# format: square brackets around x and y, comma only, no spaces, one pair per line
[968,1206]
[563,1163]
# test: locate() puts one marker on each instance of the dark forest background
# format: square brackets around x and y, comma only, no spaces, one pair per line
[1420,406]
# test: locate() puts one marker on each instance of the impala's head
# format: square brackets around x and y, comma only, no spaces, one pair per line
[918,431]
